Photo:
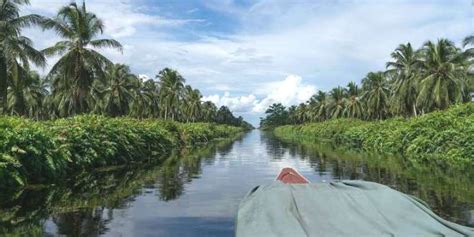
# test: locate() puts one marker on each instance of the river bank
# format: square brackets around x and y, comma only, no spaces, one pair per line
[34,152]
[444,138]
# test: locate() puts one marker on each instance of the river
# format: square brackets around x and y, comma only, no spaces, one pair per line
[196,192]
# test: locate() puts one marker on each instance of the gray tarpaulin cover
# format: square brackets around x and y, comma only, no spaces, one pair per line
[346,208]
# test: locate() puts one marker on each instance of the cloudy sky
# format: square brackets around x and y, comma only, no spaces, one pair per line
[247,54]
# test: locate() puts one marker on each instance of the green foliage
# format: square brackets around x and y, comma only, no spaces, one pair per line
[38,152]
[434,77]
[445,138]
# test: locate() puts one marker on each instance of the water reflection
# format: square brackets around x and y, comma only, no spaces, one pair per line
[86,204]
[196,192]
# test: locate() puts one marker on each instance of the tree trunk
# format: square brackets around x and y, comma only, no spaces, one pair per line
[414,110]
[3,85]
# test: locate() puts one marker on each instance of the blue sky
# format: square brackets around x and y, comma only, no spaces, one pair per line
[248,54]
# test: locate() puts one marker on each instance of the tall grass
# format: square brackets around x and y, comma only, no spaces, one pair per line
[42,152]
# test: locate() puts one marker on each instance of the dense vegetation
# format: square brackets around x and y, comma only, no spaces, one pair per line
[416,82]
[444,138]
[85,81]
[41,152]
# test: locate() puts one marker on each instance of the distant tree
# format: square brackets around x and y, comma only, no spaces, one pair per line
[26,94]
[118,88]
[192,104]
[208,112]
[276,115]
[338,102]
[376,95]
[405,70]
[354,106]
[171,92]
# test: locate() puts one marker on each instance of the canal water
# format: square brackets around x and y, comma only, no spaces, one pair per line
[196,192]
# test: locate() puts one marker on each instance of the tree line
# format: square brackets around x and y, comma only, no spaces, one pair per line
[83,80]
[415,82]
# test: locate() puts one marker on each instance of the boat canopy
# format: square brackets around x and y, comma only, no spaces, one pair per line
[345,208]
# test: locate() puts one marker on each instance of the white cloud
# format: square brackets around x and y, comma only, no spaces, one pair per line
[236,104]
[289,91]
[121,18]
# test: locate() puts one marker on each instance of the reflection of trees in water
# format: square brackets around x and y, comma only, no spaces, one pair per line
[225,149]
[89,222]
[170,183]
[448,192]
[85,204]
[274,148]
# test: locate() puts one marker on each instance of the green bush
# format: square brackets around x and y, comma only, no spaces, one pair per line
[39,152]
[445,138]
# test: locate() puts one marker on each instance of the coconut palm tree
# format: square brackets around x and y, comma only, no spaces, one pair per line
[469,40]
[151,90]
[141,105]
[469,80]
[80,64]
[118,89]
[313,105]
[171,91]
[192,103]
[443,75]
[26,95]
[208,111]
[291,115]
[376,95]
[354,107]
[404,69]
[301,113]
[16,51]
[323,105]
[338,102]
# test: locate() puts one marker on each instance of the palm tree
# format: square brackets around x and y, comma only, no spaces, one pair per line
[376,95]
[313,105]
[291,115]
[469,81]
[26,95]
[469,40]
[118,92]
[354,107]
[16,51]
[301,113]
[171,90]
[404,68]
[192,103]
[152,91]
[338,102]
[80,63]
[208,111]
[321,106]
[443,75]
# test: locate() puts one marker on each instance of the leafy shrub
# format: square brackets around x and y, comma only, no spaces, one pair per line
[445,138]
[38,152]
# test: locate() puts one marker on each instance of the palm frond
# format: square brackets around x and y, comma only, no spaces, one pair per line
[102,43]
